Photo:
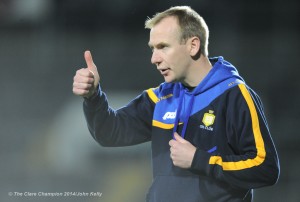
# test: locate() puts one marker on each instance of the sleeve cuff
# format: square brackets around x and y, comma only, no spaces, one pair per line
[95,97]
[200,162]
[97,93]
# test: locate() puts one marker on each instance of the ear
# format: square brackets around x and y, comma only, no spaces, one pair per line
[194,46]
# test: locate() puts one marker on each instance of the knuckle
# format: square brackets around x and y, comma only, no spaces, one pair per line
[78,71]
[87,86]
[75,91]
[90,80]
[75,78]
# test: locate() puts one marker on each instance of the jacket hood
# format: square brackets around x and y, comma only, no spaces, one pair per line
[220,71]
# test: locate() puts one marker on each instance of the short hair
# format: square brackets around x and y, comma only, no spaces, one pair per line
[190,23]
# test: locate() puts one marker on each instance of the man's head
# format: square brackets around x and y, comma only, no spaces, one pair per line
[190,22]
[175,40]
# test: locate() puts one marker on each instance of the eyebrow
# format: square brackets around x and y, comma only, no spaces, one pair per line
[158,45]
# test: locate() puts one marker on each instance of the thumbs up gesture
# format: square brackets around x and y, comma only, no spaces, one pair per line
[86,80]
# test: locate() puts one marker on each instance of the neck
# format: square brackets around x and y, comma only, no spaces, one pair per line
[197,71]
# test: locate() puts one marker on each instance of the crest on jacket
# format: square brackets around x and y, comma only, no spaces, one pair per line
[208,118]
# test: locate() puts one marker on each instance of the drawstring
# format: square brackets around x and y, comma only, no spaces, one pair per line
[187,116]
[187,113]
[181,95]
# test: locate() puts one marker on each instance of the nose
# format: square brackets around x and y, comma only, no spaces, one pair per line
[155,59]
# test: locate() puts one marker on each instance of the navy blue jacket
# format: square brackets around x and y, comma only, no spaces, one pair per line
[222,117]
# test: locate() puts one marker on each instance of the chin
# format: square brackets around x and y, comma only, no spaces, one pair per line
[170,80]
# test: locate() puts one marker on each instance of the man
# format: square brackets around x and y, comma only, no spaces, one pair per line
[210,138]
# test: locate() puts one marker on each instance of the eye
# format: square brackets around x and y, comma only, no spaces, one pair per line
[162,46]
[159,46]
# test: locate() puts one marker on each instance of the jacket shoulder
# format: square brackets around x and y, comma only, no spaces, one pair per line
[164,90]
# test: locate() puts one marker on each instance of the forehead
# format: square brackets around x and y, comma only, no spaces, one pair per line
[166,30]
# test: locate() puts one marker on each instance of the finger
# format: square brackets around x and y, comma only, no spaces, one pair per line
[83,79]
[171,142]
[172,155]
[80,92]
[91,67]
[179,138]
[92,73]
[89,60]
[84,73]
[84,86]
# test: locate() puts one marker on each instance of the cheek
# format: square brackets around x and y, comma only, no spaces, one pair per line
[181,61]
[176,57]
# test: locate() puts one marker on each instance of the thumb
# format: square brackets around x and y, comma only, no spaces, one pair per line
[91,66]
[89,60]
[178,138]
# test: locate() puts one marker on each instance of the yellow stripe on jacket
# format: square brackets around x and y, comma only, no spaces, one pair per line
[259,142]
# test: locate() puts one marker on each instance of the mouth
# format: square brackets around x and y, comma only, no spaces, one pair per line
[164,71]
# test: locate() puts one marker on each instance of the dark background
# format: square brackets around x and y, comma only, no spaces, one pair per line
[45,145]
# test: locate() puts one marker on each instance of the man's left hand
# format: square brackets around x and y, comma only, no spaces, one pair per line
[182,151]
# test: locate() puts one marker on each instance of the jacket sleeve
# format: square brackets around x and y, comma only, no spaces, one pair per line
[128,125]
[253,161]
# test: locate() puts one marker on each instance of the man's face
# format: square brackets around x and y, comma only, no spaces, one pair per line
[170,56]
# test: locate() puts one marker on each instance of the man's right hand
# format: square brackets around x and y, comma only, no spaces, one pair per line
[86,80]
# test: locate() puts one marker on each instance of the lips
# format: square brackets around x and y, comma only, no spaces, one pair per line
[164,71]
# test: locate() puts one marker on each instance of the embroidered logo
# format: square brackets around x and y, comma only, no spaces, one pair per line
[231,83]
[208,120]
[165,97]
[169,115]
